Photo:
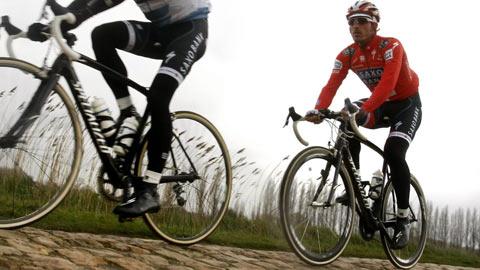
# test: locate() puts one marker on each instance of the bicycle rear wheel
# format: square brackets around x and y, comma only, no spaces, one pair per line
[40,145]
[318,232]
[407,257]
[191,211]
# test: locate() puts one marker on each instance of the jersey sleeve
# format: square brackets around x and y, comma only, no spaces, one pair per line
[393,57]
[85,9]
[339,72]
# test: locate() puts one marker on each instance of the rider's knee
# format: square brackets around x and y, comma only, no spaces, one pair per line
[99,35]
[110,35]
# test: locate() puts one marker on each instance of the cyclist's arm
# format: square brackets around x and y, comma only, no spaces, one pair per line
[339,72]
[393,55]
[84,9]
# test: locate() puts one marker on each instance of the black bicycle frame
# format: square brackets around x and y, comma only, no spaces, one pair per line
[92,125]
[98,139]
[362,205]
[62,67]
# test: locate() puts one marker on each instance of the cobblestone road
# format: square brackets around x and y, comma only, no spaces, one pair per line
[31,248]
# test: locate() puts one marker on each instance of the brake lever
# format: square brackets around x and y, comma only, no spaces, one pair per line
[11,29]
[292,114]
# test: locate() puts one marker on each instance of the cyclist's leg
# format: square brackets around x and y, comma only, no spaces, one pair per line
[130,36]
[185,43]
[395,151]
[406,117]
[181,53]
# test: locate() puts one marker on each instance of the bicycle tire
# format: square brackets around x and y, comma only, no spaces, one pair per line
[38,165]
[409,256]
[207,199]
[301,224]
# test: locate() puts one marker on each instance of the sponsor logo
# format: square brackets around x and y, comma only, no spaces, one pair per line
[370,76]
[192,53]
[348,51]
[169,56]
[337,65]
[128,202]
[388,54]
[413,126]
[384,43]
[92,120]
[358,180]
[398,124]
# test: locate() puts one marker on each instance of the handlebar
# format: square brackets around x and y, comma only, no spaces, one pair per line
[350,114]
[353,110]
[56,31]
[13,32]
[61,14]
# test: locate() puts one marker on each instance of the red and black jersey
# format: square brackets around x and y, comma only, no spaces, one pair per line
[382,66]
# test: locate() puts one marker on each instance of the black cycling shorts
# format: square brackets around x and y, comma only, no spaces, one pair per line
[179,45]
[402,116]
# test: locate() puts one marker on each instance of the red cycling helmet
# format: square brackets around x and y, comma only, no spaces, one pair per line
[364,9]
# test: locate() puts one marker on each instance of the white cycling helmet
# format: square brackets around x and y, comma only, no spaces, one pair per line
[364,9]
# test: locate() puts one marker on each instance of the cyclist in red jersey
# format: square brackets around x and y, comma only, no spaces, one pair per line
[382,64]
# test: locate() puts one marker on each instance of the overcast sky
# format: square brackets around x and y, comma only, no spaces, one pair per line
[264,56]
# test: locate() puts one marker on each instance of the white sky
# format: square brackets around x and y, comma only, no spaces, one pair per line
[264,56]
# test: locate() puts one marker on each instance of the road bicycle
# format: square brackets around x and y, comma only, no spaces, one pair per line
[321,189]
[41,148]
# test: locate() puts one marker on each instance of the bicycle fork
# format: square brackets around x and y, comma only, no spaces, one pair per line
[324,177]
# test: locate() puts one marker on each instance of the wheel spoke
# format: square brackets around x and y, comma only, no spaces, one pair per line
[196,147]
[317,234]
[42,162]
[411,254]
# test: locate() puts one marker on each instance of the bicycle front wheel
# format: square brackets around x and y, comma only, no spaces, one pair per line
[191,210]
[40,145]
[317,229]
[407,257]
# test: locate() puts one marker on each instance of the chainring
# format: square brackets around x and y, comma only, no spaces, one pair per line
[107,188]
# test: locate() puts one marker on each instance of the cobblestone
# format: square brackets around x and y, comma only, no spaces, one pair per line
[35,249]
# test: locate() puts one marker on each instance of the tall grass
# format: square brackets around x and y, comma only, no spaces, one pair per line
[87,211]
[252,220]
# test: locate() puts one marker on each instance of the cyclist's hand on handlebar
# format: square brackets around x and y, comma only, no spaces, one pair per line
[360,117]
[314,116]
[41,32]
[38,32]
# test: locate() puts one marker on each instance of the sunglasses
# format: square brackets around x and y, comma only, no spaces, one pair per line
[360,21]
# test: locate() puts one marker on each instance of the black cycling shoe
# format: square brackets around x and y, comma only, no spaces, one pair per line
[145,201]
[401,233]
